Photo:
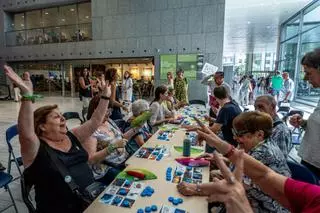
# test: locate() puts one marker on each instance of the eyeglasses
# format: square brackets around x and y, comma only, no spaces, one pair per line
[239,133]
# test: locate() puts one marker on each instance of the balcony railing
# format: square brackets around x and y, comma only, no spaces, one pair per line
[48,35]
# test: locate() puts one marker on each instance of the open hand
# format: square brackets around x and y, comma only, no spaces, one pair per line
[230,190]
[24,85]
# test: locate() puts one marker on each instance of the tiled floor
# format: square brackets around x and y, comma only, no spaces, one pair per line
[8,116]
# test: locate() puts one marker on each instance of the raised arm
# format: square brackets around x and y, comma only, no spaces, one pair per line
[205,81]
[84,131]
[269,181]
[29,142]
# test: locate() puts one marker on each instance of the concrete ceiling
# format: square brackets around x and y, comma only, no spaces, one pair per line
[253,25]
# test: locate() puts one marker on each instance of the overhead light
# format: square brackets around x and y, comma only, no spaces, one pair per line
[63,19]
[22,16]
[22,25]
[249,22]
[71,9]
[46,13]
[268,27]
[87,16]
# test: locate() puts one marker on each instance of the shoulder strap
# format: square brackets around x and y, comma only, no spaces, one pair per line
[62,170]
[277,123]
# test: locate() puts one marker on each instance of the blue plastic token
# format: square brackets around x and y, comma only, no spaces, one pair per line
[140,211]
[170,199]
[147,209]
[125,203]
[180,200]
[154,208]
[175,202]
[143,194]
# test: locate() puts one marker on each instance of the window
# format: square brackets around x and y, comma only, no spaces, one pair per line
[18,21]
[33,19]
[312,18]
[188,63]
[84,13]
[68,15]
[50,17]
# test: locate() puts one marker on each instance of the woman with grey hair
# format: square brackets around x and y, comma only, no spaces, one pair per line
[144,133]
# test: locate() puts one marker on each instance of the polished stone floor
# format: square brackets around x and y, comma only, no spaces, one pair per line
[8,116]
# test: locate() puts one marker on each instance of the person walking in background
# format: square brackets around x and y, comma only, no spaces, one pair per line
[127,86]
[244,90]
[85,90]
[288,88]
[170,80]
[181,86]
[253,86]
[276,85]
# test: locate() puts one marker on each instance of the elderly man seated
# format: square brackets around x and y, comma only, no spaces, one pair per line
[281,134]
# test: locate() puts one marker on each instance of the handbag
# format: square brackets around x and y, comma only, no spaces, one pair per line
[90,193]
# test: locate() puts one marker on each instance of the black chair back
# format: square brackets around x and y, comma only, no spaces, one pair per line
[72,115]
[302,173]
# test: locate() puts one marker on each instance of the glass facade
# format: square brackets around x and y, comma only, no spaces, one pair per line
[299,35]
[69,23]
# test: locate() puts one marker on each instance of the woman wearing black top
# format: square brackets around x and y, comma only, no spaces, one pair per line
[112,76]
[85,90]
[44,130]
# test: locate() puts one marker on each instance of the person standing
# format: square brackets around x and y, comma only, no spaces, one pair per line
[288,88]
[218,80]
[245,90]
[170,80]
[127,86]
[85,90]
[310,146]
[181,86]
[276,85]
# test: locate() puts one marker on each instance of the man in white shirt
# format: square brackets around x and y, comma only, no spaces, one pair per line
[288,88]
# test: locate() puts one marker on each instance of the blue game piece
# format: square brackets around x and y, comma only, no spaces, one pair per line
[143,194]
[179,173]
[117,200]
[154,208]
[149,194]
[126,203]
[147,209]
[175,202]
[189,168]
[140,211]
[170,199]
[151,190]
[180,200]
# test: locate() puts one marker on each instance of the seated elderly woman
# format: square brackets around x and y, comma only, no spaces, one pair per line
[107,145]
[297,196]
[252,130]
[44,139]
[160,114]
[144,133]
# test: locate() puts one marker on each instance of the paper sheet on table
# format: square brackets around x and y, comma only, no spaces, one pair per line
[209,69]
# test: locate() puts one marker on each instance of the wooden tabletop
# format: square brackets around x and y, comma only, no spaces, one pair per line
[163,189]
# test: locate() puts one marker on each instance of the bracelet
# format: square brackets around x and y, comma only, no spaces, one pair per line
[31,98]
[111,148]
[230,152]
[104,97]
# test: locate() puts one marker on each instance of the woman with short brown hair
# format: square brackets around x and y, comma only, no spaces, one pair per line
[252,131]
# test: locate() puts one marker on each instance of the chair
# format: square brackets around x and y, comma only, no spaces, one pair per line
[5,179]
[302,173]
[11,132]
[122,124]
[200,102]
[72,115]
[26,187]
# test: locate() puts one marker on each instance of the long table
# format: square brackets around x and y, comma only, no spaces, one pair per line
[163,189]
